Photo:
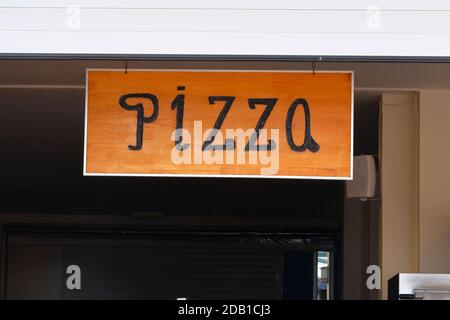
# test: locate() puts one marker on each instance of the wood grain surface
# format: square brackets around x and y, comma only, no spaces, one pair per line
[111,129]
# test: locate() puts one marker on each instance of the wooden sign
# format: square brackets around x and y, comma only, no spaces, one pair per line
[286,124]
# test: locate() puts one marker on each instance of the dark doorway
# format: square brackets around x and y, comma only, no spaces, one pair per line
[142,265]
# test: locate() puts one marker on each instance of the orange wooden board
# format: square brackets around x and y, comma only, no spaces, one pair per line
[112,121]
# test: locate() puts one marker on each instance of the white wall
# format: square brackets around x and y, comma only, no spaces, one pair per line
[435,181]
[226,27]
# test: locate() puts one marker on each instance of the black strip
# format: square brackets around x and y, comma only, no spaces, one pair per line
[3,247]
[170,309]
[200,57]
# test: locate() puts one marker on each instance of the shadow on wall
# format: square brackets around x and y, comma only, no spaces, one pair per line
[42,131]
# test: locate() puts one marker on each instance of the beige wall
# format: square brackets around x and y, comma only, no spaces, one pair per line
[434,180]
[399,185]
[415,183]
